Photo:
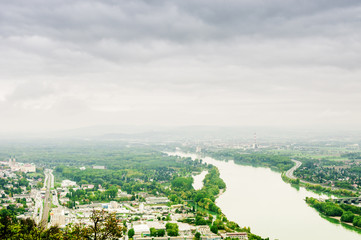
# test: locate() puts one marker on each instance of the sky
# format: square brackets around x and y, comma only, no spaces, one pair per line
[283,63]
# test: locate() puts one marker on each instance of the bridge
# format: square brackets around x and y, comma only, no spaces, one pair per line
[348,200]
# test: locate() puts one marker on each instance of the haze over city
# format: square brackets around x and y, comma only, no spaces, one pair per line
[72,64]
[180,120]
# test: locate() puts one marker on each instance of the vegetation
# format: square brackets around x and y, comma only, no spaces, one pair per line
[172,229]
[132,170]
[157,233]
[276,162]
[320,189]
[348,213]
[131,233]
[104,226]
[344,175]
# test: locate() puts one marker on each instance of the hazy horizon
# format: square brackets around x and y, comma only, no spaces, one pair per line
[277,64]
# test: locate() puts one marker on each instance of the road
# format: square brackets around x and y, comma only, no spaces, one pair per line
[289,173]
[47,200]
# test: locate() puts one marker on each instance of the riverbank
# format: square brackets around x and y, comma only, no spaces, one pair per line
[317,188]
[204,201]
[255,195]
[340,213]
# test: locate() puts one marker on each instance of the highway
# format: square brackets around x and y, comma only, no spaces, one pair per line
[47,200]
[289,173]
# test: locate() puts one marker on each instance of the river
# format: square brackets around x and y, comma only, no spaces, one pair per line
[257,197]
[198,180]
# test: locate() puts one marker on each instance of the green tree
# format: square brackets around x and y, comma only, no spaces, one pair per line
[214,229]
[104,225]
[161,232]
[131,233]
[347,217]
[172,229]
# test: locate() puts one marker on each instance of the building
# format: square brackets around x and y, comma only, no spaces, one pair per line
[87,186]
[26,168]
[99,167]
[238,235]
[155,224]
[113,204]
[68,183]
[185,229]
[211,237]
[157,200]
[141,230]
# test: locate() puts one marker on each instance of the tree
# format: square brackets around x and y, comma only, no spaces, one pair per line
[172,229]
[197,235]
[347,216]
[131,233]
[104,225]
[357,221]
[214,229]
[153,232]
[161,232]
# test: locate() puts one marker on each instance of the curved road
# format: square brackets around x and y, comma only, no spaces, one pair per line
[289,173]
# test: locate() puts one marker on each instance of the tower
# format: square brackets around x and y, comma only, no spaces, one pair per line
[255,146]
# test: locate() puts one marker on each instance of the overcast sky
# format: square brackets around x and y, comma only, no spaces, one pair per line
[72,63]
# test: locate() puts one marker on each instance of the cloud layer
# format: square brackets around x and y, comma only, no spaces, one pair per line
[66,64]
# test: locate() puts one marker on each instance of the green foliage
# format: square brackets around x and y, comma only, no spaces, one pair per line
[277,162]
[205,197]
[337,192]
[157,233]
[327,208]
[200,220]
[351,208]
[347,217]
[214,229]
[139,170]
[172,229]
[255,237]
[104,226]
[131,233]
[182,183]
[329,173]
[357,221]
[352,156]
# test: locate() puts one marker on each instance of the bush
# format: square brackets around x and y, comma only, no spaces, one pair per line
[347,217]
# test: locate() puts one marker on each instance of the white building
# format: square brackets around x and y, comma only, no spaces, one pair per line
[68,183]
[26,168]
[157,200]
[99,167]
[113,205]
[141,229]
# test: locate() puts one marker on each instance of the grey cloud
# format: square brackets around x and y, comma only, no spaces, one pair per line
[30,90]
[208,61]
[177,21]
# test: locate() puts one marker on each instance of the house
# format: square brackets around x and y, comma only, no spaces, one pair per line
[141,230]
[185,229]
[68,183]
[157,200]
[87,186]
[238,235]
[99,167]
